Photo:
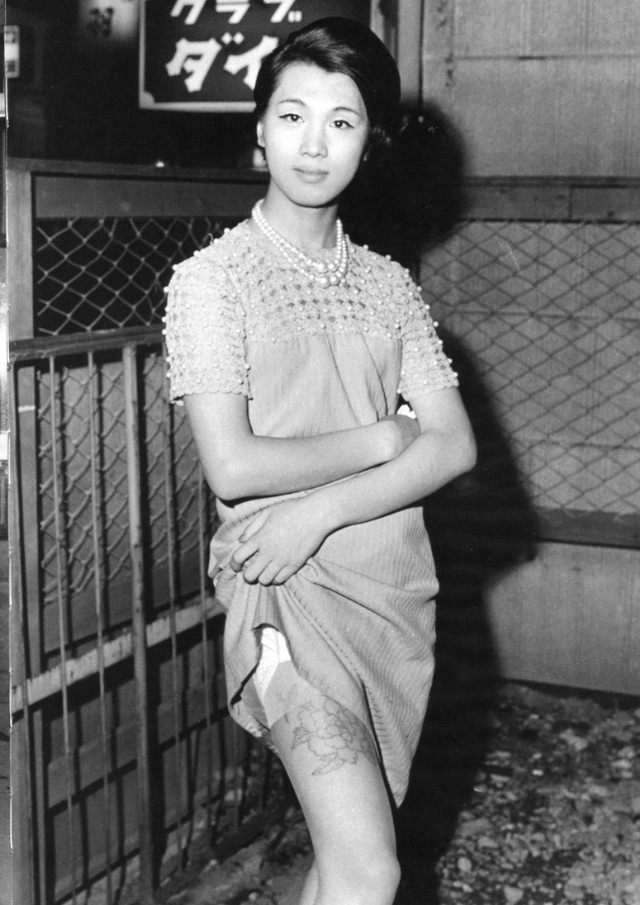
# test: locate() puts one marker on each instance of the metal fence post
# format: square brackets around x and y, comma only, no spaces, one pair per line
[138,624]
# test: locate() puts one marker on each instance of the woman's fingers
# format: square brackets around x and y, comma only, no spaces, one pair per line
[277,542]
[284,575]
[243,553]
[247,547]
[259,569]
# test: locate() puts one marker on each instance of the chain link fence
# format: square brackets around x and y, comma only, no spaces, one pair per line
[548,313]
[109,273]
[88,465]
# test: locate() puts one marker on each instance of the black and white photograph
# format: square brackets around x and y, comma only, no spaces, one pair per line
[320,452]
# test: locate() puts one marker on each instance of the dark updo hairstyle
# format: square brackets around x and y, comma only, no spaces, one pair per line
[407,195]
[336,44]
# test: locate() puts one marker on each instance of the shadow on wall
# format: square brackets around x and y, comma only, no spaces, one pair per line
[480,525]
[409,197]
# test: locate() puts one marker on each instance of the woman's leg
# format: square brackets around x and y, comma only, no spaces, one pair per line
[310,888]
[331,761]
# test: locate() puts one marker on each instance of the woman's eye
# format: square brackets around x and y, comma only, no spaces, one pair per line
[342,124]
[291,117]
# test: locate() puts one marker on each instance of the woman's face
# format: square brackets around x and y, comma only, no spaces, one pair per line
[314,133]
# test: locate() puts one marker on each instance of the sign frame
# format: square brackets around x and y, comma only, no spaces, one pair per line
[198,66]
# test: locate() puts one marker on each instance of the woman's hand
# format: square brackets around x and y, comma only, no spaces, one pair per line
[279,541]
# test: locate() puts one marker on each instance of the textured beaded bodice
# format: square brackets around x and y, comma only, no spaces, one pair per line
[240,291]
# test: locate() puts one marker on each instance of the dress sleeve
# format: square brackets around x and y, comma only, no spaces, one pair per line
[204,330]
[425,367]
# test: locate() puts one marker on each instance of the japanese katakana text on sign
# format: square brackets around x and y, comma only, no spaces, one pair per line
[205,54]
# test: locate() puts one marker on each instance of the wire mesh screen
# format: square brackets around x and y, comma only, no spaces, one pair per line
[109,273]
[548,312]
[171,488]
[171,483]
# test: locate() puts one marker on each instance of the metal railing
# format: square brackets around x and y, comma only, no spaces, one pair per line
[126,699]
[125,762]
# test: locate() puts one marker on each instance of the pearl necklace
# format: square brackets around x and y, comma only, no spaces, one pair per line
[324,273]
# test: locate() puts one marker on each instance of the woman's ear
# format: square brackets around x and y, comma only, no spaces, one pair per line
[260,135]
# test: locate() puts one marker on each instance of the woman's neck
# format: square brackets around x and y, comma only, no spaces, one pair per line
[308,228]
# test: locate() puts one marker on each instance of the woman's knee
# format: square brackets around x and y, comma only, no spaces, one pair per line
[384,876]
[368,879]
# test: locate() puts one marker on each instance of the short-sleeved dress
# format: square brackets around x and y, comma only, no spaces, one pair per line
[359,616]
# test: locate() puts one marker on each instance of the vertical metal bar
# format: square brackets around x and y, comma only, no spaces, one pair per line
[26,563]
[22,806]
[61,586]
[138,624]
[173,594]
[206,675]
[99,604]
[20,288]
[36,747]
[29,639]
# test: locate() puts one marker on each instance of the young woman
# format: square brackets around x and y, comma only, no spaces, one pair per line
[289,346]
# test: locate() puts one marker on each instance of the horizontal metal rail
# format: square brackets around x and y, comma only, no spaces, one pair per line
[26,351]
[50,682]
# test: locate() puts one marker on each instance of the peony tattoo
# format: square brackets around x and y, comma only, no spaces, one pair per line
[331,733]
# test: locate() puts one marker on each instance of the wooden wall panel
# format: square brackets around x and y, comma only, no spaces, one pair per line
[488,27]
[543,27]
[570,617]
[566,117]
[614,27]
[538,87]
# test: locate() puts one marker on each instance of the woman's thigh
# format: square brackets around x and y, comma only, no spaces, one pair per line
[333,765]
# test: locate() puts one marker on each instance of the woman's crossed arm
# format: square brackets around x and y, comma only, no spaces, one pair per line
[238,464]
[281,539]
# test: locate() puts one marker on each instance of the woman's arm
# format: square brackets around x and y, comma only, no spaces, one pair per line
[444,450]
[280,540]
[239,464]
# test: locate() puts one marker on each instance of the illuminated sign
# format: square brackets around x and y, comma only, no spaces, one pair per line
[204,55]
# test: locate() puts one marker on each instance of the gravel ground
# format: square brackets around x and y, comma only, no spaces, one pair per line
[529,795]
[554,814]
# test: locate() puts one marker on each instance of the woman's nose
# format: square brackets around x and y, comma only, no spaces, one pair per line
[314,142]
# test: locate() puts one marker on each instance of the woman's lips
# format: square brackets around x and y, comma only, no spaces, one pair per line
[310,175]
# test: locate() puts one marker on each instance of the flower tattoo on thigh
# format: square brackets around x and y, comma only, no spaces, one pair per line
[333,734]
